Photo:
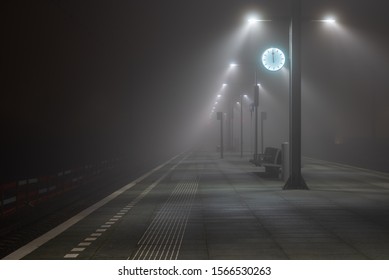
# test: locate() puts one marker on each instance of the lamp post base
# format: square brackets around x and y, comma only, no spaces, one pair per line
[296,182]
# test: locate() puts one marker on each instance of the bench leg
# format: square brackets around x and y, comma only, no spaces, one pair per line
[272,171]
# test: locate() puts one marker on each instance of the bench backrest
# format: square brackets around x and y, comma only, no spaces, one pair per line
[272,155]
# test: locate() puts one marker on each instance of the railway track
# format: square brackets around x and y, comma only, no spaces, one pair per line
[35,221]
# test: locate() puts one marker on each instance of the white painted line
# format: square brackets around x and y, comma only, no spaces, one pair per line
[120,214]
[77,249]
[84,244]
[96,234]
[35,244]
[105,226]
[90,239]
[110,223]
[101,230]
[71,256]
[114,220]
[117,217]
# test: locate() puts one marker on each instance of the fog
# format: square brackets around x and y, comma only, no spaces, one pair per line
[93,80]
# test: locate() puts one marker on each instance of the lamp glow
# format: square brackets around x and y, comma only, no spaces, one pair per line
[329,20]
[252,21]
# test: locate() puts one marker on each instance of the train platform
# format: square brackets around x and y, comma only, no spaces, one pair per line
[199,207]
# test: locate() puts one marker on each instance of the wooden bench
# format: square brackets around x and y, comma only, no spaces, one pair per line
[271,160]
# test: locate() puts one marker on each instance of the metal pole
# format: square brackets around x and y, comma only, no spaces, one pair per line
[241,125]
[256,102]
[219,117]
[230,126]
[262,119]
[296,180]
[221,136]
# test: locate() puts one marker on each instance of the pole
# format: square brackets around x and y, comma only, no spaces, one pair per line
[241,125]
[221,136]
[296,180]
[262,119]
[256,102]
[219,116]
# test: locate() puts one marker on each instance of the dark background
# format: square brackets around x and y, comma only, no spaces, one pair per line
[85,81]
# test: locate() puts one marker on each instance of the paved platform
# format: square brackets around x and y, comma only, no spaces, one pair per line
[201,207]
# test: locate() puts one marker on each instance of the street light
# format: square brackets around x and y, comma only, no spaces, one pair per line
[241,122]
[295,180]
[252,21]
[330,20]
[256,103]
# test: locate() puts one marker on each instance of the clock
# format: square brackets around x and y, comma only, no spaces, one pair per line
[273,59]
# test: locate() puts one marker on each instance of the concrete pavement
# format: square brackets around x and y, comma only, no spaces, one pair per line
[203,207]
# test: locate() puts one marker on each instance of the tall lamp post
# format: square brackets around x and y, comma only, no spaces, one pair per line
[219,116]
[256,103]
[241,124]
[296,180]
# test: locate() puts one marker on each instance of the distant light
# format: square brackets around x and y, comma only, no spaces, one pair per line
[245,96]
[259,85]
[329,20]
[224,85]
[232,65]
[219,95]
[252,20]
[238,103]
[216,103]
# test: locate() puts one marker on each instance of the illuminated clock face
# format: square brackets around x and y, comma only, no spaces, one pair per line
[273,59]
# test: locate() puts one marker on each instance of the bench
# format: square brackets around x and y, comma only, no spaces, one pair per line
[271,160]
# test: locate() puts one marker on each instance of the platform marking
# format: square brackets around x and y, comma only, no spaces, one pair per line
[126,209]
[90,239]
[163,237]
[38,242]
[71,256]
[77,249]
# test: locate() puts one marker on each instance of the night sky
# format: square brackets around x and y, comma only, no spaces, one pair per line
[90,80]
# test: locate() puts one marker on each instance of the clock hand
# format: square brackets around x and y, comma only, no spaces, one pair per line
[273,56]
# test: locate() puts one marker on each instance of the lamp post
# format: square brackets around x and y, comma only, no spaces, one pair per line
[219,116]
[256,103]
[255,106]
[234,65]
[251,22]
[241,123]
[295,180]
